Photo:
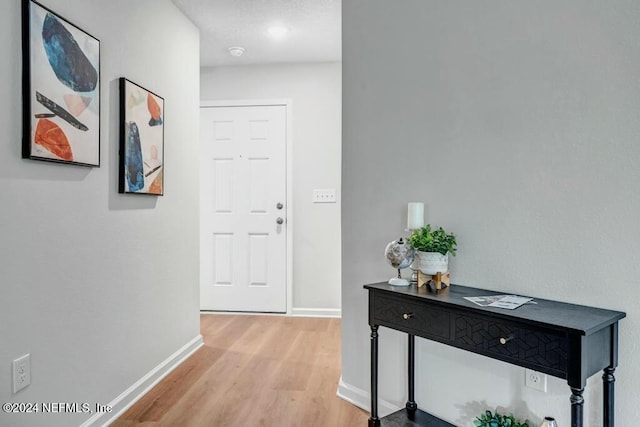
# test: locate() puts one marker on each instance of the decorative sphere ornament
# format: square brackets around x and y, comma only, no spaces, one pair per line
[400,255]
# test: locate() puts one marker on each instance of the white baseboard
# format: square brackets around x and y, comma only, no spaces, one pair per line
[240,313]
[131,395]
[295,312]
[362,399]
[316,312]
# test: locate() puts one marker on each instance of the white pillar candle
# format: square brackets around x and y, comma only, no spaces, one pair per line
[415,215]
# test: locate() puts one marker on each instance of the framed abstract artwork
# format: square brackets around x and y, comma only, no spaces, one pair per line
[141,140]
[61,89]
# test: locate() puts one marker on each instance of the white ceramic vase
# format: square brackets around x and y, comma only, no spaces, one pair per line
[433,262]
[549,422]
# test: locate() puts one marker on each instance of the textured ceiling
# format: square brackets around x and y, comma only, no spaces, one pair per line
[314,30]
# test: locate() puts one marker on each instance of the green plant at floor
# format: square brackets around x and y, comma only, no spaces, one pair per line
[489,419]
[427,240]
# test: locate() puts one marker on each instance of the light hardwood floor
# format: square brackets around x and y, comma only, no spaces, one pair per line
[253,371]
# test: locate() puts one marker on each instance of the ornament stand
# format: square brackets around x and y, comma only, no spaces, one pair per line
[398,281]
[435,282]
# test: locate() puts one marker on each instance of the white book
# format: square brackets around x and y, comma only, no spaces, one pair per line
[509,302]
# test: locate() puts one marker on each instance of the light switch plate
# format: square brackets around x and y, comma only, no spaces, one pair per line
[324,195]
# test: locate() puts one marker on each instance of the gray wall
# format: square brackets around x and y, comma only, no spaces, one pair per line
[517,124]
[99,287]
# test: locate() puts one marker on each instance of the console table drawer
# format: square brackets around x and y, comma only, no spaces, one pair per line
[417,319]
[513,342]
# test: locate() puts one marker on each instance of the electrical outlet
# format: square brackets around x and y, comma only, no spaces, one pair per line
[535,380]
[21,372]
[324,196]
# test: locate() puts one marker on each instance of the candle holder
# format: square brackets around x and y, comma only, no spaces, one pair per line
[415,220]
[414,276]
[415,215]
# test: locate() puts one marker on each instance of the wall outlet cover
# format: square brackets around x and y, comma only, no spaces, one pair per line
[21,372]
[535,380]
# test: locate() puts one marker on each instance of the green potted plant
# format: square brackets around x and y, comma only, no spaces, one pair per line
[489,419]
[433,248]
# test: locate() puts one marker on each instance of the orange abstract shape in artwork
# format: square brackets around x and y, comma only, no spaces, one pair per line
[156,185]
[76,103]
[50,136]
[154,107]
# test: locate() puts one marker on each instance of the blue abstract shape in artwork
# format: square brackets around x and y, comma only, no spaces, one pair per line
[133,158]
[154,122]
[69,63]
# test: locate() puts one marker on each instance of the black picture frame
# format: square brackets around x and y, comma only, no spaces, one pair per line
[60,89]
[141,163]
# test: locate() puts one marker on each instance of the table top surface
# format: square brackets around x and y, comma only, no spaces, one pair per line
[575,318]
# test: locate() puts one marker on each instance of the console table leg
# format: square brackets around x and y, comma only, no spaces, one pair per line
[577,404]
[608,381]
[374,421]
[411,402]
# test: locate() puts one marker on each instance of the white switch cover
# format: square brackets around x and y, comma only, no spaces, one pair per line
[324,195]
[21,372]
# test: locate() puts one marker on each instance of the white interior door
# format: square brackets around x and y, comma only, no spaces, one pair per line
[243,206]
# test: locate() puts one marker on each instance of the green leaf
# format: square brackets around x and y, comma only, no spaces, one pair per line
[489,419]
[427,240]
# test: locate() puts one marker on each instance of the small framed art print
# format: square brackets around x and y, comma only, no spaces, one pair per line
[141,140]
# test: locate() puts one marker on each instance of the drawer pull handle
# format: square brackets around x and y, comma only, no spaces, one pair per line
[407,316]
[504,340]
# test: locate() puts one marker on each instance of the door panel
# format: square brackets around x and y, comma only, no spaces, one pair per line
[243,178]
[222,262]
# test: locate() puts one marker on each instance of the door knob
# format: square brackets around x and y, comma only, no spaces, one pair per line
[279,206]
[279,220]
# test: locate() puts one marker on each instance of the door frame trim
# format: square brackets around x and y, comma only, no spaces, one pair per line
[287,103]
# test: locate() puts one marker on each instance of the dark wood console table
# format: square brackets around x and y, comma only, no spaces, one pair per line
[567,341]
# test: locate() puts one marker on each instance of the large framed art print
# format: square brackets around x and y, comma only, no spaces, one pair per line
[141,140]
[61,89]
